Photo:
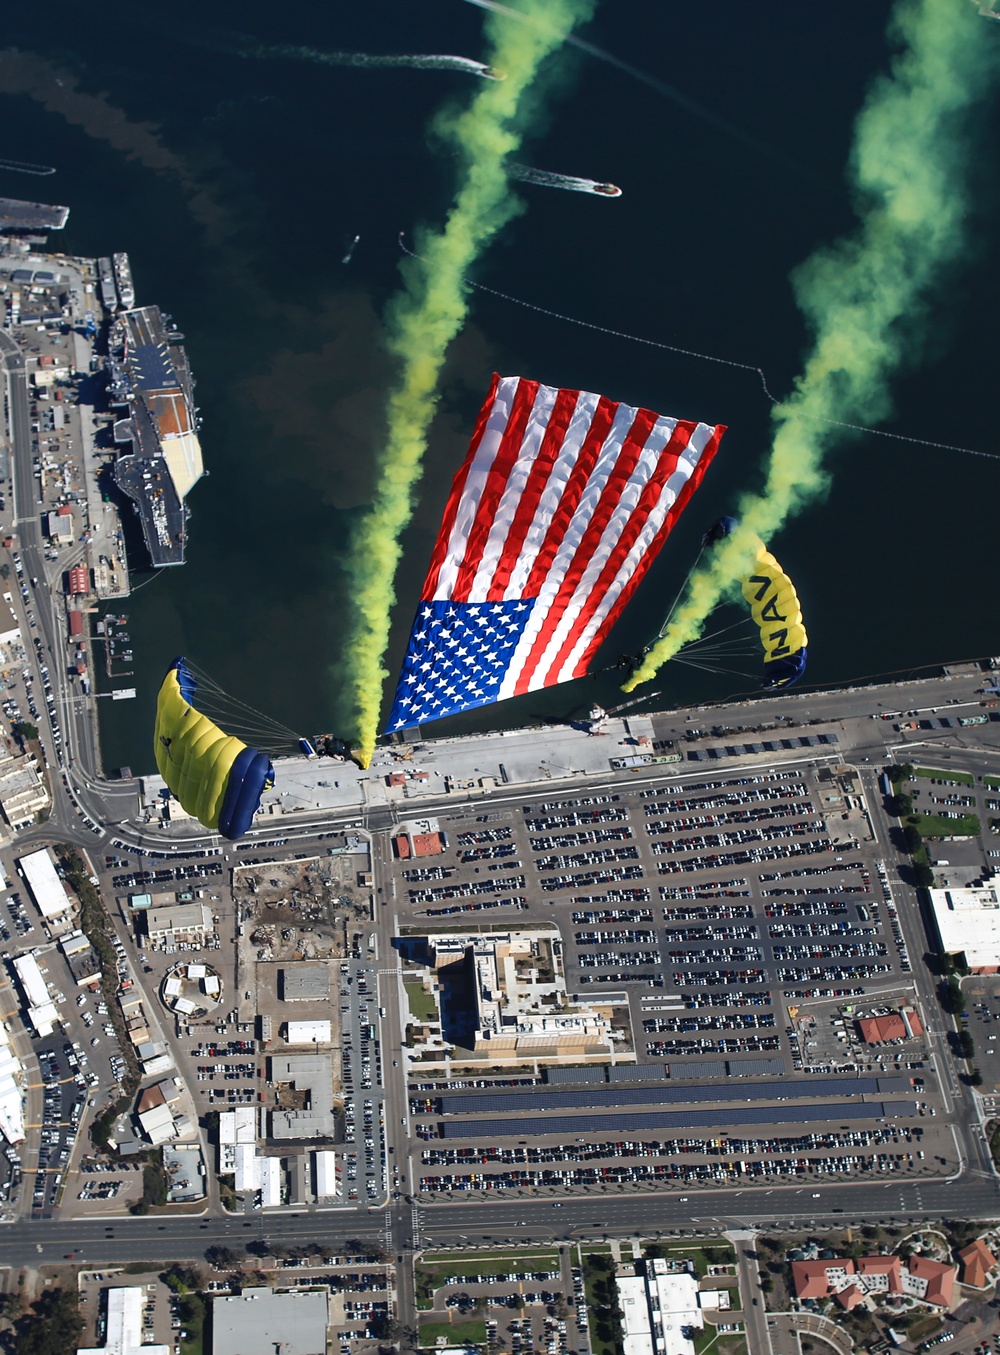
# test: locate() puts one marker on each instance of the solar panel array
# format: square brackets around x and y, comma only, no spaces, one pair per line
[629,1122]
[545,1098]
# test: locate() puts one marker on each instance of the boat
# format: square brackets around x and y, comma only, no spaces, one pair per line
[123,281]
[609,190]
[107,290]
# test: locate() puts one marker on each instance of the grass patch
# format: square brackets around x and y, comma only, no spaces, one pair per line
[923,1328]
[935,825]
[455,1333]
[422,1005]
[932,774]
[714,1252]
[991,782]
[430,1274]
[451,1263]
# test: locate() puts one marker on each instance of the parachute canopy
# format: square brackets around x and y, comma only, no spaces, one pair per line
[559,509]
[774,606]
[216,777]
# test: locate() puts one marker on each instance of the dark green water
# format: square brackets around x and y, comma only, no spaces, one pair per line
[235,185]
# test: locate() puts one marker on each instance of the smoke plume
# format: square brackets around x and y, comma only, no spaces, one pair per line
[425,318]
[866,297]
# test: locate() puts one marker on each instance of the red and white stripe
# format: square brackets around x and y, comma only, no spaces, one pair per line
[565,497]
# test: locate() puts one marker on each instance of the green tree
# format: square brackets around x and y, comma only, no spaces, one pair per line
[51,1327]
[966,1044]
[222,1258]
[24,730]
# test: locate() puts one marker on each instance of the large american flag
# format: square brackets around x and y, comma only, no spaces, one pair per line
[560,507]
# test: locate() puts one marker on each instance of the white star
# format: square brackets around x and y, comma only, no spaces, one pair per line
[420,635]
[426,612]
[461,653]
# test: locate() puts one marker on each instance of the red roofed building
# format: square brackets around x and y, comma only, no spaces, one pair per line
[402,846]
[912,1020]
[882,1273]
[78,582]
[427,844]
[881,1029]
[395,779]
[75,624]
[850,1297]
[977,1262]
[937,1281]
[821,1279]
[850,1282]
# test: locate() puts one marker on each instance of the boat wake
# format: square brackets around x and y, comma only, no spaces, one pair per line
[544,179]
[20,167]
[429,62]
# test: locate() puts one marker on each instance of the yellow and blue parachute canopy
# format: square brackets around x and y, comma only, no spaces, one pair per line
[774,606]
[216,777]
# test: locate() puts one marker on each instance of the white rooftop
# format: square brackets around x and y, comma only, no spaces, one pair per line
[968,920]
[260,1322]
[124,1330]
[46,887]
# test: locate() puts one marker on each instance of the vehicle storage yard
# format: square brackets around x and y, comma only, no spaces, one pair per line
[739,925]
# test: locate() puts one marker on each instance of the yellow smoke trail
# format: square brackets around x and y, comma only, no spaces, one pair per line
[865,296]
[425,319]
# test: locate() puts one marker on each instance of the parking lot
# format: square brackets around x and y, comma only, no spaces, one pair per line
[735,917]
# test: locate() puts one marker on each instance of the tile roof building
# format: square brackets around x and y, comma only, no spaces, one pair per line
[977,1262]
[850,1282]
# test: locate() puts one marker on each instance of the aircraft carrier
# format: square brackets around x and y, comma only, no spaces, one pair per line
[150,378]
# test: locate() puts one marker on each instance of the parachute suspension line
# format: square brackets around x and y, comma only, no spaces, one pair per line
[709,357]
[680,592]
[711,668]
[736,625]
[275,726]
[614,333]
[234,712]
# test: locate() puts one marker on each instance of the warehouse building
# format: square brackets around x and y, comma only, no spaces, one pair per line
[262,1321]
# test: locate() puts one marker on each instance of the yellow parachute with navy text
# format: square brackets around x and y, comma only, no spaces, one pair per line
[215,776]
[774,606]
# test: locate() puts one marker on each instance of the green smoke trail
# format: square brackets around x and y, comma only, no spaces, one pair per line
[424,320]
[866,296]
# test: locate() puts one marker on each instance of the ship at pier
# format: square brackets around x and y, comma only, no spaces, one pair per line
[161,459]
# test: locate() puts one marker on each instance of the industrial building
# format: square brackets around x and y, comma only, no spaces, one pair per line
[261,1321]
[660,1310]
[305,983]
[23,793]
[325,1183]
[40,1009]
[11,1096]
[123,1326]
[307,1032]
[310,1077]
[47,890]
[968,923]
[178,921]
